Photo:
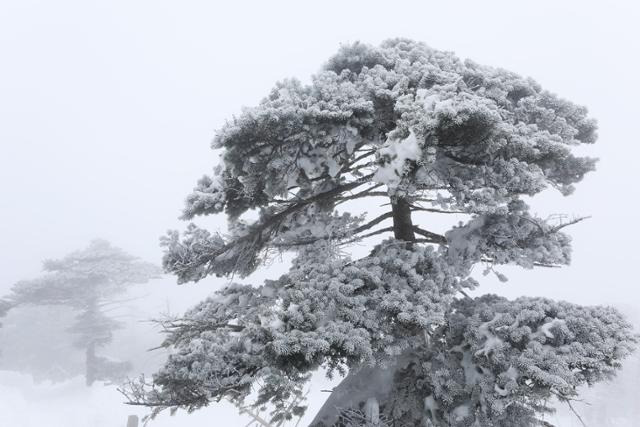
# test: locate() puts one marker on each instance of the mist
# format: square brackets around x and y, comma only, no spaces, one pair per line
[108,109]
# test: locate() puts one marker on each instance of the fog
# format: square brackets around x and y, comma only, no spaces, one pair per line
[107,110]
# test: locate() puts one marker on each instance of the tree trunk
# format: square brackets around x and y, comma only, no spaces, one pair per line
[360,386]
[90,363]
[402,225]
[369,385]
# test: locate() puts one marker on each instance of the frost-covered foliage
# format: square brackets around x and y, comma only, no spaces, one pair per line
[87,281]
[500,362]
[427,132]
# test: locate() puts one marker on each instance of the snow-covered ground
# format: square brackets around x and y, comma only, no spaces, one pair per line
[71,403]
[24,403]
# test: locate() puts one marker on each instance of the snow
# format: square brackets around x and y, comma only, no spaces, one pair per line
[464,241]
[545,329]
[492,341]
[471,374]
[24,403]
[316,162]
[431,406]
[461,412]
[73,404]
[372,410]
[395,155]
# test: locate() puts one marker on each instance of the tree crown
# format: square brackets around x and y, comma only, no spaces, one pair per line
[401,120]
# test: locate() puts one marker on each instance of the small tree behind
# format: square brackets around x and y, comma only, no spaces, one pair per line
[88,281]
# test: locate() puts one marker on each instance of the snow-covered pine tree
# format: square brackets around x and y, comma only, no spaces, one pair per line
[420,131]
[88,281]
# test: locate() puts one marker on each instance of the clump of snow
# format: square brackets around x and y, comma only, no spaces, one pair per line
[372,411]
[545,329]
[394,156]
[461,412]
[472,372]
[316,162]
[431,406]
[492,341]
[463,241]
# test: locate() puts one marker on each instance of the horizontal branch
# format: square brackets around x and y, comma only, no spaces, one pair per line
[365,193]
[198,325]
[436,238]
[373,222]
[566,224]
[373,233]
[419,208]
[257,229]
[535,264]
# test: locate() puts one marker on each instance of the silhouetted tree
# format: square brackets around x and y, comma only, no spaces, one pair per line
[88,281]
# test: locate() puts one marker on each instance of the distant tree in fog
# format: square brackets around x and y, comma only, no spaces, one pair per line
[5,306]
[34,340]
[421,133]
[88,281]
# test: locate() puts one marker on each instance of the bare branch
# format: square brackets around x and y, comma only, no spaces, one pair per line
[566,224]
[535,264]
[243,409]
[563,398]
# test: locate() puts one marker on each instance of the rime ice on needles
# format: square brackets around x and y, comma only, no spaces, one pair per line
[428,132]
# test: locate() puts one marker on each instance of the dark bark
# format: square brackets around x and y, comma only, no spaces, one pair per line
[402,225]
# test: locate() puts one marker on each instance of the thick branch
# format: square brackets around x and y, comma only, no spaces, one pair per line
[357,230]
[402,225]
[373,222]
[436,238]
[268,223]
[365,193]
[373,233]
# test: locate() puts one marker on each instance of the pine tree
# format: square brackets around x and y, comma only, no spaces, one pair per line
[88,281]
[425,134]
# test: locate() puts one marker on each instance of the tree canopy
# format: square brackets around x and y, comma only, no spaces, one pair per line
[422,132]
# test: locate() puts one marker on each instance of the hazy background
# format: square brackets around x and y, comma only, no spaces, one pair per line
[107,109]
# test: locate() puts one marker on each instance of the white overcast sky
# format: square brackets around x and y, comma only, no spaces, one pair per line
[107,109]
